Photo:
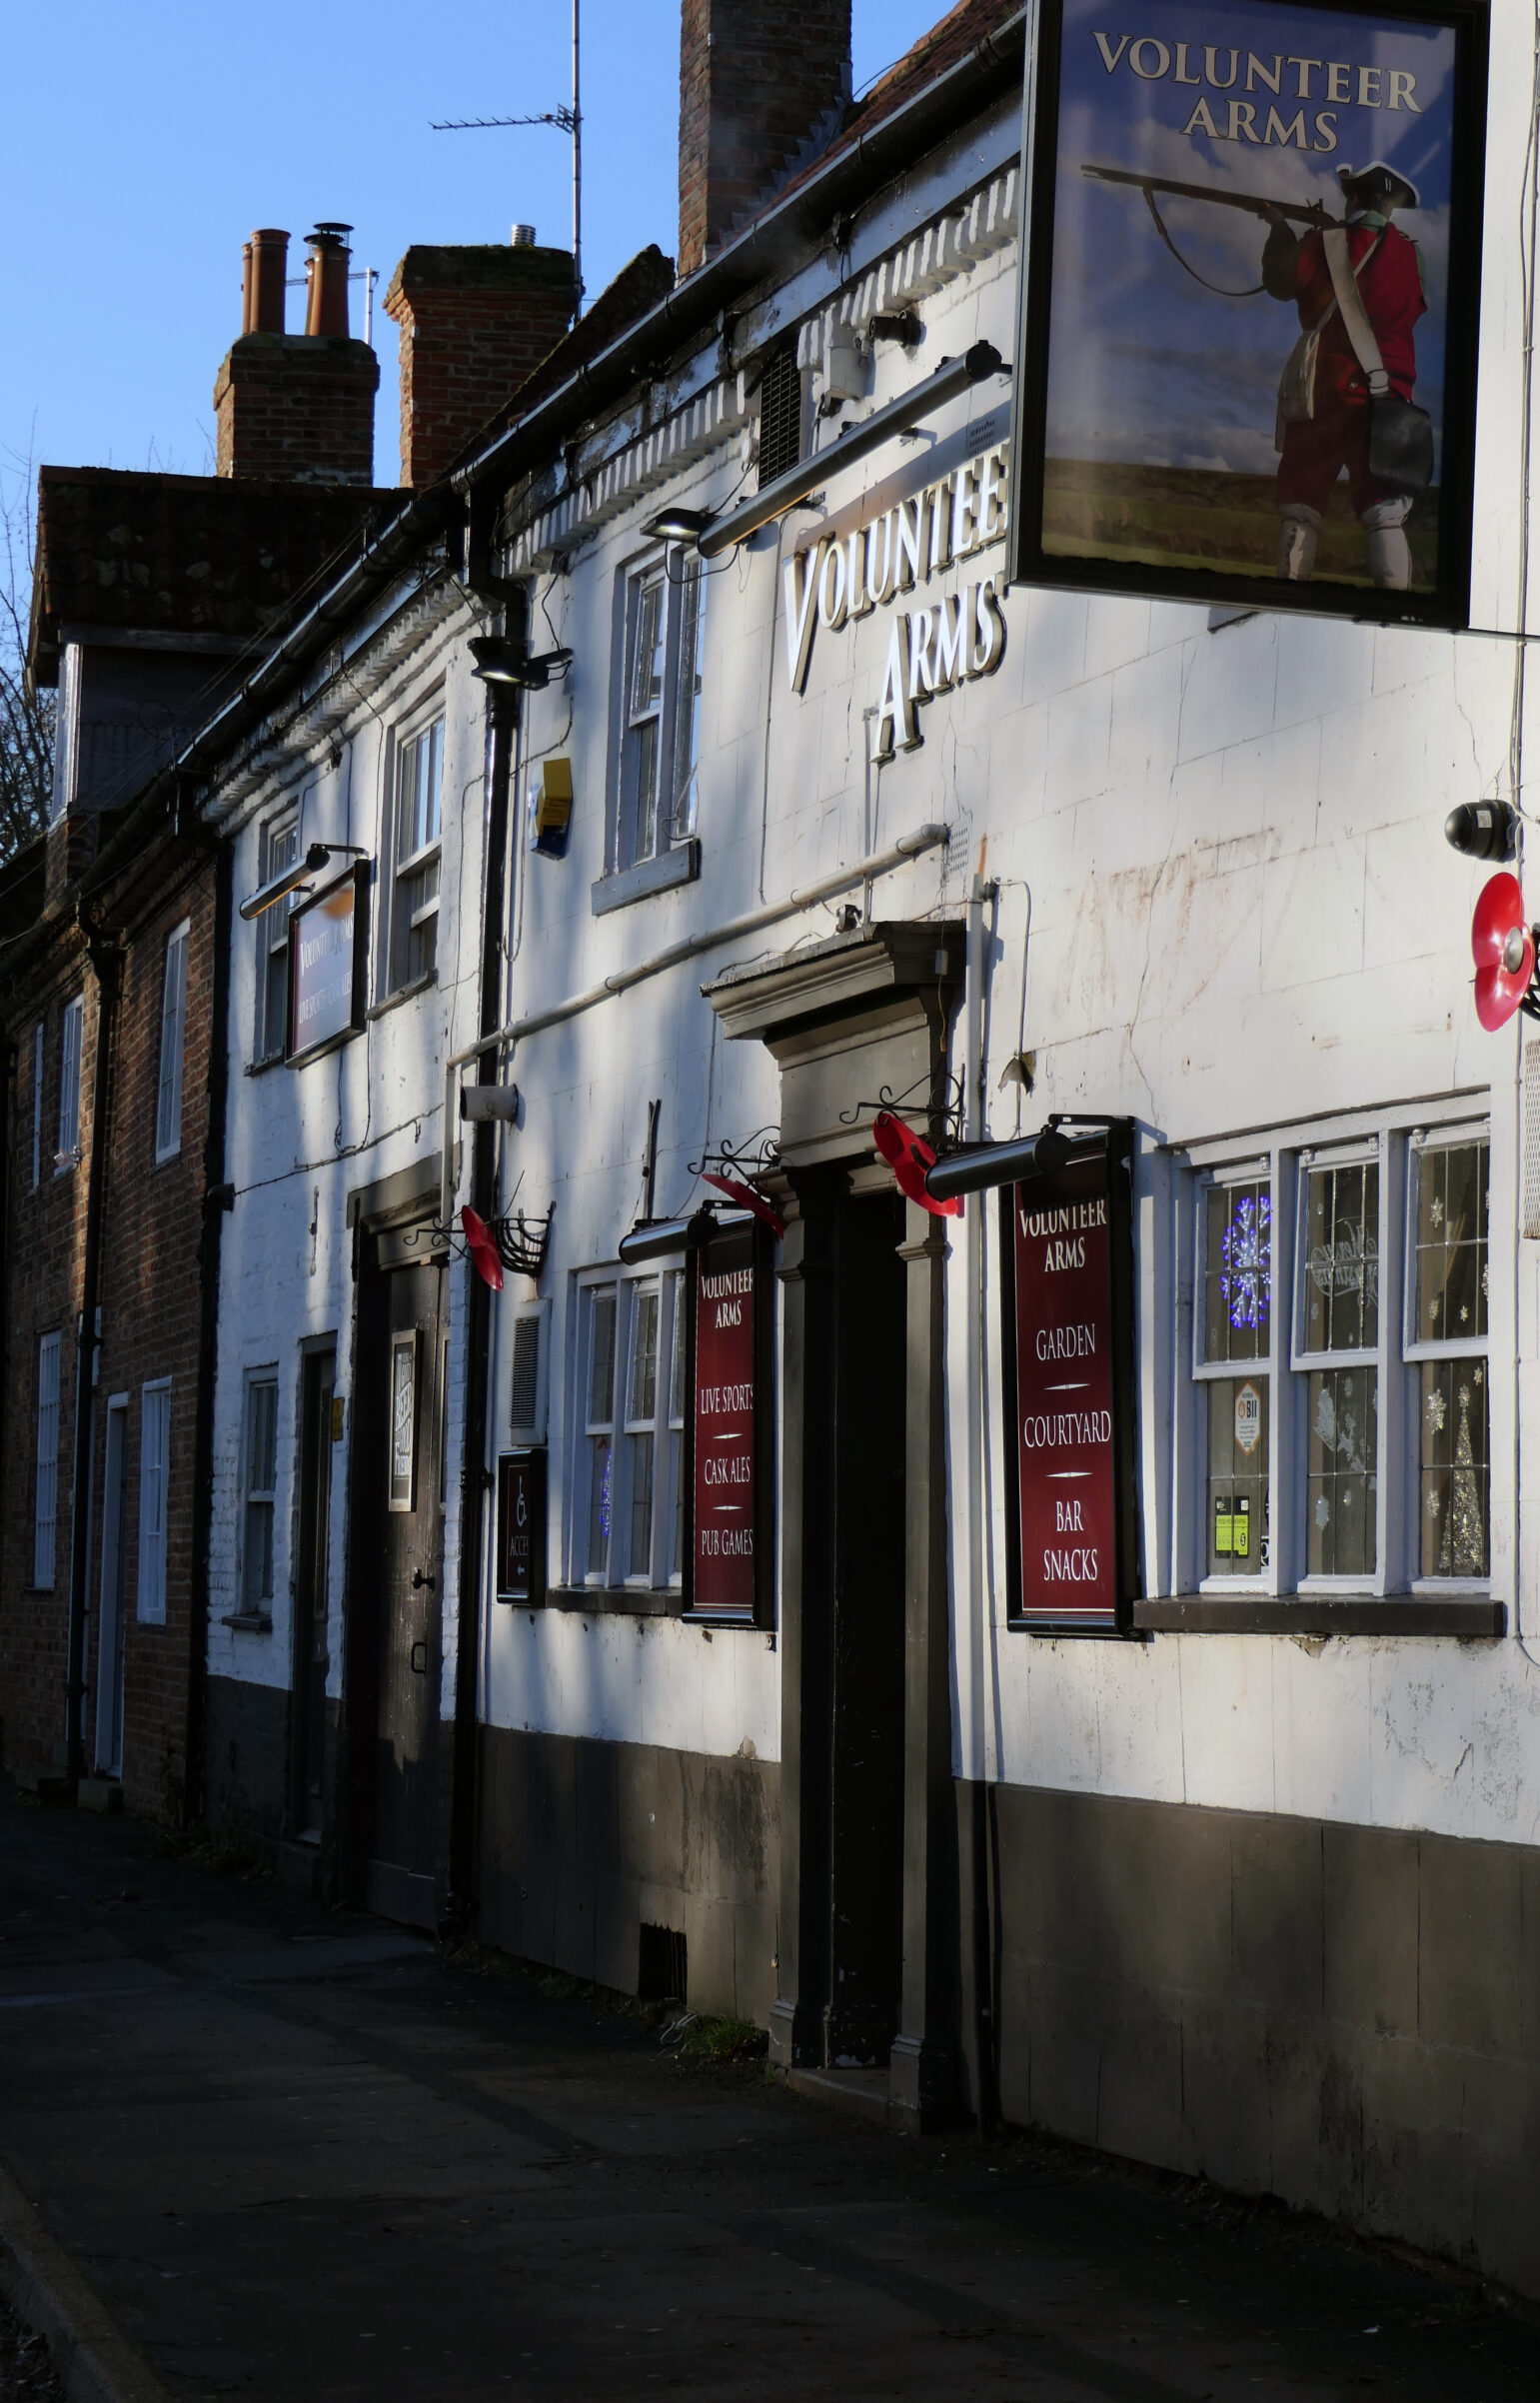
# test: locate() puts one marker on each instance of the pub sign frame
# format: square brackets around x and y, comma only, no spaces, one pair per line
[521,1552]
[1114,1508]
[344,1018]
[1115,336]
[727,1252]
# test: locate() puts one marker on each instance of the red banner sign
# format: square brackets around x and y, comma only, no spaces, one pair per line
[724,1571]
[1065,1396]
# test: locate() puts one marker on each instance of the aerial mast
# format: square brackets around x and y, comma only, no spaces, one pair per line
[569,120]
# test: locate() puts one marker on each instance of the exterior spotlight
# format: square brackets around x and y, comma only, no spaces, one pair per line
[499,661]
[278,888]
[482,1105]
[1009,1164]
[1483,830]
[657,1239]
[678,525]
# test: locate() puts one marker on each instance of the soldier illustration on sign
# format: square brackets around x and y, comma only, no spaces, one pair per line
[1324,398]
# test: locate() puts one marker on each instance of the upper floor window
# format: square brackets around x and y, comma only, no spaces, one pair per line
[414,932]
[280,850]
[261,1495]
[1341,1370]
[71,1037]
[37,1105]
[628,1522]
[168,1102]
[662,709]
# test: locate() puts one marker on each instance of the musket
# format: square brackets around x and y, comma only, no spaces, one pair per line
[1307,212]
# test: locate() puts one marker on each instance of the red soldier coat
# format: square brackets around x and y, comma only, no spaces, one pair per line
[1391,289]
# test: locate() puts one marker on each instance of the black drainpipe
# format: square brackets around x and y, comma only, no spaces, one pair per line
[217,1198]
[502,725]
[107,961]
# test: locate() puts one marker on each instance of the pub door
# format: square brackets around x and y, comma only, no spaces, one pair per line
[398,1431]
[318,1376]
[867,1685]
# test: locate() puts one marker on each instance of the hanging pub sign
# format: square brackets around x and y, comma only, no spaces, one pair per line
[327,958]
[1253,283]
[1067,1287]
[729,1470]
[520,1562]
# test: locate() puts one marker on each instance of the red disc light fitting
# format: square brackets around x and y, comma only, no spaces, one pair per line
[482,1251]
[909,1156]
[1503,949]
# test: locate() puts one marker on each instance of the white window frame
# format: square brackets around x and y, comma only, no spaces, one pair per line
[620,1574]
[407,918]
[45,1508]
[1206,1372]
[1392,1137]
[676,715]
[1417,1348]
[263,1380]
[72,1035]
[168,1090]
[278,847]
[154,1494]
[37,1105]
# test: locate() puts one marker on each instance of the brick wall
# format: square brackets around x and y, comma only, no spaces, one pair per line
[758,78]
[296,406]
[473,320]
[47,1229]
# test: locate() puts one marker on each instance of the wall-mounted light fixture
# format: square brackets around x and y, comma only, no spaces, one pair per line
[485,1105]
[289,879]
[502,661]
[990,1165]
[678,525]
[1483,830]
[657,1239]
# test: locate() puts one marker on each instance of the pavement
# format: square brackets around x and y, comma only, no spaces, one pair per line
[303,2155]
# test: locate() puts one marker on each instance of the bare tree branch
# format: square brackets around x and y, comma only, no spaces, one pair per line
[26,720]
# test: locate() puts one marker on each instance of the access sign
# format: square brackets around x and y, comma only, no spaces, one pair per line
[1067,1327]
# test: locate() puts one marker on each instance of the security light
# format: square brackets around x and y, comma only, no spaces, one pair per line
[1009,1163]
[657,1239]
[288,880]
[1483,830]
[677,525]
[501,661]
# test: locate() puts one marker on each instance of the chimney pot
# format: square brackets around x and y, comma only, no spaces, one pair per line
[269,254]
[326,276]
[523,237]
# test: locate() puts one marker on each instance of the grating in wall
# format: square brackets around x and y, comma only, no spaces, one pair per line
[780,414]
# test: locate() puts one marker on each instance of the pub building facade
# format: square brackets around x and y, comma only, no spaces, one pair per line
[1044,1634]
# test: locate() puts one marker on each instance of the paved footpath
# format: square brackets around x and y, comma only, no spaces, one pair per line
[300,2156]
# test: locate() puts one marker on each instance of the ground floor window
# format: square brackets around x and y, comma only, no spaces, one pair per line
[1341,1423]
[628,1510]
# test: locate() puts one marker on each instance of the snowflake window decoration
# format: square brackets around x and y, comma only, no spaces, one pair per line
[1438,1411]
[1246,1280]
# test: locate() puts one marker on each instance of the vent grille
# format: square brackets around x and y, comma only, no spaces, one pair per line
[780,415]
[525,1407]
[1531,1223]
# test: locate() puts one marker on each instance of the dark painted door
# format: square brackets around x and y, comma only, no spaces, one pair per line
[867,1733]
[405,1414]
[317,1379]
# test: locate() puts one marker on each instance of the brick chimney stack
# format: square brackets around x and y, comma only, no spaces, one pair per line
[473,319]
[760,81]
[298,408]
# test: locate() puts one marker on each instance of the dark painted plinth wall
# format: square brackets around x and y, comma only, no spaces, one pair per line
[581,1843]
[248,1757]
[1346,2017]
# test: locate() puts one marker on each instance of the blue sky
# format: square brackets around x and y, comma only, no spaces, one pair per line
[144,142]
[1150,366]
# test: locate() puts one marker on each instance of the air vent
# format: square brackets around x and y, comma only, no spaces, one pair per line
[780,414]
[526,1398]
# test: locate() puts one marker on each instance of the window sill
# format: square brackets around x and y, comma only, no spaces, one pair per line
[258,1068]
[402,993]
[247,1622]
[1322,1614]
[617,1601]
[680,865]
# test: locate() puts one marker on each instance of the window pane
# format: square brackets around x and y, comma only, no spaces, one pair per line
[1342,1260]
[262,1438]
[676,1509]
[602,1358]
[687,708]
[641,1465]
[647,671]
[1239,1495]
[1455,1469]
[257,1590]
[1342,1484]
[1237,1274]
[644,1358]
[677,1362]
[645,741]
[1451,1277]
[598,1506]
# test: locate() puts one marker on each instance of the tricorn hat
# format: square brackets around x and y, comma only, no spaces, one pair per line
[1378,182]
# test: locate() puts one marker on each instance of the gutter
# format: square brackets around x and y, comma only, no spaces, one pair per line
[106,963]
[216,1201]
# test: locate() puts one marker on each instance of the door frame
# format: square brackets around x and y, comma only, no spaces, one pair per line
[315,1453]
[111,1617]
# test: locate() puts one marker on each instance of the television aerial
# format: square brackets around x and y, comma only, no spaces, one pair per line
[567,120]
